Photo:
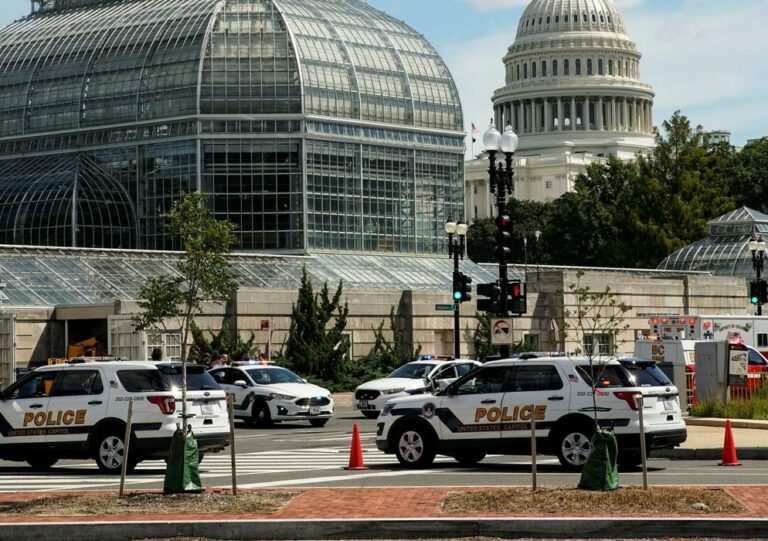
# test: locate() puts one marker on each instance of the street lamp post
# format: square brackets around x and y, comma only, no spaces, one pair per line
[757,247]
[456,248]
[501,183]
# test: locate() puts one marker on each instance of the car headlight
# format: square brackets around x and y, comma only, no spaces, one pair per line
[393,391]
[387,410]
[273,396]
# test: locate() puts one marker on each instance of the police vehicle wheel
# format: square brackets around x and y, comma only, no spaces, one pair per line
[318,422]
[574,446]
[42,462]
[469,458]
[370,414]
[261,415]
[414,447]
[110,451]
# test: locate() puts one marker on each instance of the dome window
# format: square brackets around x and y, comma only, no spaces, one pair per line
[610,66]
[575,18]
[566,67]
[600,67]
[549,19]
[554,68]
[584,18]
[594,18]
[540,20]
[543,68]
[609,19]
[602,18]
[589,66]
[578,67]
[565,18]
[557,19]
[533,70]
[518,72]
[525,71]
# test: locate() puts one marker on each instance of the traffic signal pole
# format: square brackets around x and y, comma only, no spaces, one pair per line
[456,313]
[499,180]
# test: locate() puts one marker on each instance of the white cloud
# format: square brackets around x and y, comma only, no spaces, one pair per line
[700,58]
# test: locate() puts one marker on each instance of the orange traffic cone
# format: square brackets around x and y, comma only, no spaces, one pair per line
[356,452]
[729,448]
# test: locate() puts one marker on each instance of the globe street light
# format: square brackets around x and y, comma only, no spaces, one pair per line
[501,183]
[456,249]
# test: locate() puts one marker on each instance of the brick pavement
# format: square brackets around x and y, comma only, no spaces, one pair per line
[357,503]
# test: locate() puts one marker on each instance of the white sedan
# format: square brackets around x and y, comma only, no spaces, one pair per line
[414,377]
[265,394]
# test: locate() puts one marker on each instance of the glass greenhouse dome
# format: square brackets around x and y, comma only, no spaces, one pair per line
[726,250]
[311,124]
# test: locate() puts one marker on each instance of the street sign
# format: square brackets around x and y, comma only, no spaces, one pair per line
[501,332]
[444,307]
[264,324]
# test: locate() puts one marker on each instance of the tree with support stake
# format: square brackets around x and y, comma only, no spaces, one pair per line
[170,303]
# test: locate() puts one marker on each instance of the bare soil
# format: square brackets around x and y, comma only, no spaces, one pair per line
[265,502]
[572,501]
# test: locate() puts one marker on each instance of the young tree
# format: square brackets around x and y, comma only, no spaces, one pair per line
[316,346]
[171,303]
[597,319]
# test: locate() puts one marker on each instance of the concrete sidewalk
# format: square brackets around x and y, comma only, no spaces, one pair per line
[706,437]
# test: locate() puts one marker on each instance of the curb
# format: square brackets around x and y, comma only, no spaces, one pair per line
[439,527]
[745,453]
[720,423]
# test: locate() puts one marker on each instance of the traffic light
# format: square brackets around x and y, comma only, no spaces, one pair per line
[492,294]
[504,238]
[755,290]
[763,292]
[461,287]
[516,294]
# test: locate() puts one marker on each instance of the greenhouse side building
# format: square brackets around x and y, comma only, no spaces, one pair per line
[310,124]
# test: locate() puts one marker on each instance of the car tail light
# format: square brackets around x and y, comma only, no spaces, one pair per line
[630,398]
[167,404]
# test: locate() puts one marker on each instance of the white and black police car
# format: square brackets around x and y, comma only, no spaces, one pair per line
[490,411]
[75,411]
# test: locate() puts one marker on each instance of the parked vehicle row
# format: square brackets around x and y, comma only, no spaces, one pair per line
[456,407]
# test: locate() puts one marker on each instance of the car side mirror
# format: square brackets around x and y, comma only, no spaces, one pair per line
[241,383]
[442,385]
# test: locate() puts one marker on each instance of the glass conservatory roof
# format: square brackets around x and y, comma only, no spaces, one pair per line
[726,250]
[37,276]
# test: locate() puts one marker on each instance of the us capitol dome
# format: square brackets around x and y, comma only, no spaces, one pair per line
[310,124]
[572,93]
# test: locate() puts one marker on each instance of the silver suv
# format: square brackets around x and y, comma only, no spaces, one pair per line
[80,410]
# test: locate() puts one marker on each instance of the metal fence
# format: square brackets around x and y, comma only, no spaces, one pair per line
[755,382]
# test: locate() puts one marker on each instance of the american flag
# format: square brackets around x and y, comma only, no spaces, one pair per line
[475,129]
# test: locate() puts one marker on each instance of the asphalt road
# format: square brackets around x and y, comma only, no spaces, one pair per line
[298,455]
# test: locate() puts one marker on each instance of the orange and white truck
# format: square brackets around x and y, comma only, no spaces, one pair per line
[753,330]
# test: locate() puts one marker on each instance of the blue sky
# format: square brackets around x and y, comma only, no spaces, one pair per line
[704,57]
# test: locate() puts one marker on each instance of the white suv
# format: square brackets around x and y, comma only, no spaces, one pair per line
[371,397]
[490,411]
[80,411]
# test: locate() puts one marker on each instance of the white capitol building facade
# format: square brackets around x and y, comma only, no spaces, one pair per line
[573,94]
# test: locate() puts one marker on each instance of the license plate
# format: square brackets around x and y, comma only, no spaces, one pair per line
[669,405]
[207,410]
[362,404]
[314,411]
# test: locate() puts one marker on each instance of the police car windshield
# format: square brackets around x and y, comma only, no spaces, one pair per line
[267,376]
[417,370]
[198,379]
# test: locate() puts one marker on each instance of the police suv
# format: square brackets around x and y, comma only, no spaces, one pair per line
[80,411]
[490,410]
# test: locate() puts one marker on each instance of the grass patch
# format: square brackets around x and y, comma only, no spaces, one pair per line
[755,408]
[159,504]
[566,501]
